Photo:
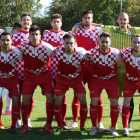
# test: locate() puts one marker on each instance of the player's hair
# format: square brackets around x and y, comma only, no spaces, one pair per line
[5,33]
[56,16]
[135,35]
[122,13]
[17,25]
[68,36]
[87,12]
[34,28]
[26,14]
[105,34]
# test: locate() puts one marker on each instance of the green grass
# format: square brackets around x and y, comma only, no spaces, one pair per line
[38,119]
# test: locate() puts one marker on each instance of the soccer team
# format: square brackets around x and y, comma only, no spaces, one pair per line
[63,60]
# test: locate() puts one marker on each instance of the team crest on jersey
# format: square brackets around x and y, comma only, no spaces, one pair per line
[129,32]
[41,56]
[111,64]
[75,62]
[92,35]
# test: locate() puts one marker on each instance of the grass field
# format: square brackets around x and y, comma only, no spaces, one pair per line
[38,119]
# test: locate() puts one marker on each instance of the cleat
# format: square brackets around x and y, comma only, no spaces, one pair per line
[8,112]
[83,131]
[93,131]
[43,127]
[29,123]
[49,129]
[125,131]
[58,131]
[65,126]
[130,129]
[73,125]
[109,129]
[18,123]
[100,126]
[14,130]
[114,131]
[24,129]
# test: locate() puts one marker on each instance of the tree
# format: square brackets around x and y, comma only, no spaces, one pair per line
[10,10]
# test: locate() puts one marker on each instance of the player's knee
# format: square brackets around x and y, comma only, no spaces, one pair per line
[94,101]
[58,101]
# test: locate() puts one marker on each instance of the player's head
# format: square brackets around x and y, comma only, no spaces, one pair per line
[16,28]
[35,35]
[69,43]
[6,40]
[87,18]
[123,20]
[105,41]
[26,21]
[56,22]
[135,42]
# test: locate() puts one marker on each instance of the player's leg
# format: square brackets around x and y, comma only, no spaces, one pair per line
[1,106]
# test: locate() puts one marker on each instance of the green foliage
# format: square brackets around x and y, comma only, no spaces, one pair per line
[10,10]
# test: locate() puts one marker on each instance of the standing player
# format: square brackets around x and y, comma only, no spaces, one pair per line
[131,58]
[88,38]
[19,38]
[55,38]
[9,58]
[36,56]
[104,76]
[69,75]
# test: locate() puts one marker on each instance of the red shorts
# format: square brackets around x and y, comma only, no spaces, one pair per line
[20,84]
[111,86]
[130,88]
[12,84]
[31,81]
[62,85]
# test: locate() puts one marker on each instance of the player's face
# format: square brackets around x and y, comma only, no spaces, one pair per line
[69,44]
[56,24]
[6,42]
[104,44]
[35,37]
[123,20]
[26,22]
[136,44]
[87,20]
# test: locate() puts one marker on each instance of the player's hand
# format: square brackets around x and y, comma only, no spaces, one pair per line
[45,32]
[129,26]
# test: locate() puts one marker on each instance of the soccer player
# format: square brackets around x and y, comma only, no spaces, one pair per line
[36,56]
[104,76]
[16,28]
[69,75]
[9,58]
[88,38]
[19,38]
[131,58]
[55,38]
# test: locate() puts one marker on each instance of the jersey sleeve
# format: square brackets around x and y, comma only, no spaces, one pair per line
[107,28]
[81,50]
[77,26]
[19,53]
[49,47]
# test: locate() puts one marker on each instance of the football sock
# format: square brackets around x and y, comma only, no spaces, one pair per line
[125,116]
[31,106]
[64,108]
[100,109]
[131,110]
[1,106]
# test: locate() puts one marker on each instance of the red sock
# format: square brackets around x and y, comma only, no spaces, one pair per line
[25,113]
[64,109]
[15,115]
[58,115]
[1,106]
[114,113]
[31,106]
[75,108]
[93,114]
[125,116]
[49,110]
[83,114]
[100,109]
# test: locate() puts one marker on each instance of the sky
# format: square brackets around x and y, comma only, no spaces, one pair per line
[44,4]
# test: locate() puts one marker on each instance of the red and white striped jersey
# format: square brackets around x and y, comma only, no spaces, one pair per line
[36,57]
[105,64]
[9,62]
[20,38]
[56,40]
[132,65]
[88,38]
[69,65]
